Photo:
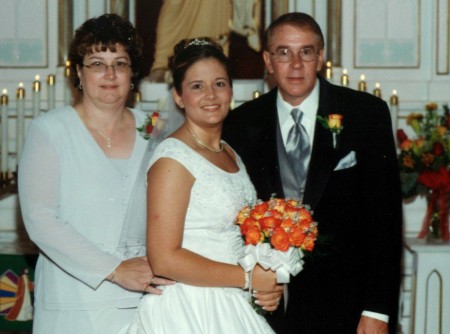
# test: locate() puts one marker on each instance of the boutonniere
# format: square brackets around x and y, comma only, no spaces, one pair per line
[146,129]
[333,123]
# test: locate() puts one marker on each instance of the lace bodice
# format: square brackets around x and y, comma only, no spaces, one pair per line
[216,198]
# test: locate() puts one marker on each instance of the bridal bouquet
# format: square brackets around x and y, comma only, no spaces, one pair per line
[277,233]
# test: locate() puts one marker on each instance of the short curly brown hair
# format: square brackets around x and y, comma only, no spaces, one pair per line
[103,33]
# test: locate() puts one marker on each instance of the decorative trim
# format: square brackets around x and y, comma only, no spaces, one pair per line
[442,36]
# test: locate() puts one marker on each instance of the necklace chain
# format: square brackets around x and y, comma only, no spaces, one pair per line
[202,144]
[108,139]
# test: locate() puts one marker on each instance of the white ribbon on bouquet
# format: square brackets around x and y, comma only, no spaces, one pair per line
[283,263]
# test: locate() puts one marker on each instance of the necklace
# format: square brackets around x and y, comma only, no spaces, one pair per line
[108,139]
[202,144]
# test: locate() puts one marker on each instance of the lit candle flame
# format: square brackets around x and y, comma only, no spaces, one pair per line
[4,91]
[37,77]
[363,77]
[394,92]
[377,85]
[20,84]
[344,71]
[328,63]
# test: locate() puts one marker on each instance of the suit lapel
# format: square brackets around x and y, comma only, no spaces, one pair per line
[323,155]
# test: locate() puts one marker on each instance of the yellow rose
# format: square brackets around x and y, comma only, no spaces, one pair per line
[335,121]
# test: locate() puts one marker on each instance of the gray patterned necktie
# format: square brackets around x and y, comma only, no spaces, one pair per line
[298,148]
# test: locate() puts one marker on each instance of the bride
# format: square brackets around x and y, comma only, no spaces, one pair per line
[196,186]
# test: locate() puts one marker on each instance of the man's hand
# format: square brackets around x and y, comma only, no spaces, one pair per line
[369,325]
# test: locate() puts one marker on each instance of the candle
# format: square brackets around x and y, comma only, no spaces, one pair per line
[4,147]
[344,78]
[328,71]
[393,101]
[377,90]
[362,86]
[50,92]
[67,86]
[138,100]
[36,96]
[256,94]
[20,120]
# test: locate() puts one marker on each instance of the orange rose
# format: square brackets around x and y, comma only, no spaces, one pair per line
[253,236]
[406,145]
[247,224]
[269,223]
[427,159]
[243,215]
[335,121]
[259,210]
[293,212]
[308,243]
[408,161]
[280,239]
[287,224]
[296,236]
[305,215]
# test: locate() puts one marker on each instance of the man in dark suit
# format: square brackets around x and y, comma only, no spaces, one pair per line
[351,284]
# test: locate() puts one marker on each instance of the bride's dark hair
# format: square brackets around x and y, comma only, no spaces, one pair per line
[189,51]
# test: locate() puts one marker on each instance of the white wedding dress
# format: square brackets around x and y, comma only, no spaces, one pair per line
[216,198]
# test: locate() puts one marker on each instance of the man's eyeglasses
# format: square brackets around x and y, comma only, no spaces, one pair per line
[285,55]
[99,67]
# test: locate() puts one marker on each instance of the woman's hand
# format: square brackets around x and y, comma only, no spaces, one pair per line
[135,274]
[264,280]
[269,300]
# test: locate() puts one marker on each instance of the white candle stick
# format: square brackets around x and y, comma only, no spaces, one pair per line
[362,86]
[393,101]
[36,89]
[20,120]
[67,85]
[329,71]
[344,78]
[377,90]
[50,92]
[4,119]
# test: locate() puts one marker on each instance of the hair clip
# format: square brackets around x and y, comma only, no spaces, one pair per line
[197,41]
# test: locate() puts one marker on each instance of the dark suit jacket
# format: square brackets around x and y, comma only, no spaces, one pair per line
[356,265]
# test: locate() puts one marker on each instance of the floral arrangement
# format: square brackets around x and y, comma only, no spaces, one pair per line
[276,233]
[424,163]
[146,129]
[333,123]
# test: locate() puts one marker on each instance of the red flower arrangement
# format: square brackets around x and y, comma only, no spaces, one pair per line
[425,166]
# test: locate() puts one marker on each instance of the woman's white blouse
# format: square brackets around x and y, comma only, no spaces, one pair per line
[74,201]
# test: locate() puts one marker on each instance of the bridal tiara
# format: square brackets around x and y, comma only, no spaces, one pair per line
[196,42]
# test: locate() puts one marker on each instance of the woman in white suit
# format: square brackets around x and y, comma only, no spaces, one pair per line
[77,173]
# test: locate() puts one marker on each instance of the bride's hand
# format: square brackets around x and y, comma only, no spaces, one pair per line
[264,280]
[270,300]
[135,274]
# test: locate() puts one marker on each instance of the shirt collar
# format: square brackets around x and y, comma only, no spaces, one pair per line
[309,106]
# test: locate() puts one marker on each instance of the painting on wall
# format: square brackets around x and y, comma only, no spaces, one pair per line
[387,33]
[23,33]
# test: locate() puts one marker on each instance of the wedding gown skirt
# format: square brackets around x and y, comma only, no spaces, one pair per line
[216,198]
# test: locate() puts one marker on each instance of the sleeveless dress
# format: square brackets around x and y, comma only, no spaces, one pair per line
[216,198]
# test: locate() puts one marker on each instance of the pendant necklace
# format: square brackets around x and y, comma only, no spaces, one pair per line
[202,144]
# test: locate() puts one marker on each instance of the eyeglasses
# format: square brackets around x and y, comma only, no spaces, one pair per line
[99,67]
[285,55]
